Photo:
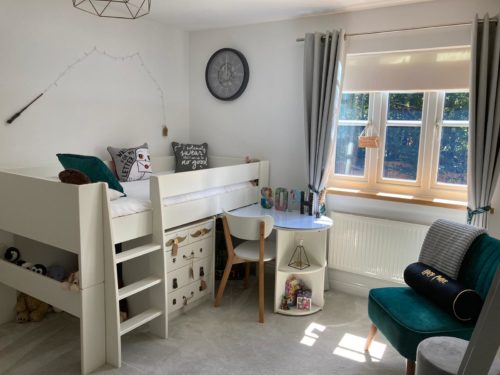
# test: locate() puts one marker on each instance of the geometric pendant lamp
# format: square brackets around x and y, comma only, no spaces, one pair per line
[128,9]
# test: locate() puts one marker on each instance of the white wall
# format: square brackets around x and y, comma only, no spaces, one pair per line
[99,103]
[267,120]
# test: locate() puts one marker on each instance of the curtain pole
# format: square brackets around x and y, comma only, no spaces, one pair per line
[494,19]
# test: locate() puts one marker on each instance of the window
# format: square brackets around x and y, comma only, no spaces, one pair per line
[453,145]
[402,136]
[423,144]
[349,158]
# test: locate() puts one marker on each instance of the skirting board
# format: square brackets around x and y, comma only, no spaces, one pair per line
[355,284]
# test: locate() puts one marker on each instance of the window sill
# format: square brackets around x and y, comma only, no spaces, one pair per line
[455,205]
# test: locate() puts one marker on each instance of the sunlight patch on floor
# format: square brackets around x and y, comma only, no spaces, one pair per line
[309,336]
[352,347]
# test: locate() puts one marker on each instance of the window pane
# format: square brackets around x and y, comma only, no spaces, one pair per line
[354,107]
[456,106]
[453,155]
[349,158]
[401,152]
[405,107]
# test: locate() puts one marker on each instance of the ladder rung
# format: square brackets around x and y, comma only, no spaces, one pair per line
[136,252]
[138,286]
[139,320]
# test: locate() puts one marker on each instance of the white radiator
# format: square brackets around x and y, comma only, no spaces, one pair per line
[374,247]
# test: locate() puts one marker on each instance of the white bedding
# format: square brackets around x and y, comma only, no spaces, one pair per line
[137,199]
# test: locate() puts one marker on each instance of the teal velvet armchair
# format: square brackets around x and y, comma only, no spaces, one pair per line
[407,318]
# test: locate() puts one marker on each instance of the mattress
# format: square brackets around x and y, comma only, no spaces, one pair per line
[137,199]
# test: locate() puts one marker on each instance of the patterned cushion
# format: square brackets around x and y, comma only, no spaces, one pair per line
[190,157]
[132,164]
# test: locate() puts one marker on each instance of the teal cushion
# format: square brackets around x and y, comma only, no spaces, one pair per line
[93,167]
[406,318]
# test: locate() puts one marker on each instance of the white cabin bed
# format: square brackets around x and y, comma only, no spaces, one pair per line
[80,220]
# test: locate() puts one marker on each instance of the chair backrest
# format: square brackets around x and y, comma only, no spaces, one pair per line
[480,264]
[247,227]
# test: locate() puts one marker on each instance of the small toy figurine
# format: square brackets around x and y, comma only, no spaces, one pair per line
[266,200]
[284,303]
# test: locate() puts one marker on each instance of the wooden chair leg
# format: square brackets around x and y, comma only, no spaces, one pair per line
[247,274]
[261,291]
[371,335]
[223,282]
[410,367]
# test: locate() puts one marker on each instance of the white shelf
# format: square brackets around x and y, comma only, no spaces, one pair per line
[296,312]
[311,269]
[139,320]
[138,286]
[136,252]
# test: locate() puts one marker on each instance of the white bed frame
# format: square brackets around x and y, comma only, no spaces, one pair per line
[78,220]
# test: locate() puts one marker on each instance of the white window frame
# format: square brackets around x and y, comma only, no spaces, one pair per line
[426,185]
[439,125]
[367,122]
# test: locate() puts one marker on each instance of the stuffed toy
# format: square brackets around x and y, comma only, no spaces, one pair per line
[73,176]
[56,272]
[72,283]
[39,269]
[29,309]
[12,255]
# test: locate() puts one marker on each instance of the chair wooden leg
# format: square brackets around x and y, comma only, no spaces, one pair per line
[410,367]
[371,335]
[261,291]
[223,282]
[247,274]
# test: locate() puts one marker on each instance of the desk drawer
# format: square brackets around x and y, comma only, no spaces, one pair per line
[201,231]
[181,277]
[186,295]
[186,254]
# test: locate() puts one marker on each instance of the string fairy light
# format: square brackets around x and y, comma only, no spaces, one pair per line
[84,57]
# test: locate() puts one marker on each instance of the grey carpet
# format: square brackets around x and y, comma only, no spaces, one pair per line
[208,340]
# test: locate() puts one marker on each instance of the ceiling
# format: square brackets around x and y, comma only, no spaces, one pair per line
[207,14]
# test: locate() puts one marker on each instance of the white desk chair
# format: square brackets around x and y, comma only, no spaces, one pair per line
[254,230]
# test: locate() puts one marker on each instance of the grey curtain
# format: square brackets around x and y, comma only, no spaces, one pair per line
[484,145]
[323,73]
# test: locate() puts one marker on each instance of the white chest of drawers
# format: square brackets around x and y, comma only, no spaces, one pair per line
[189,268]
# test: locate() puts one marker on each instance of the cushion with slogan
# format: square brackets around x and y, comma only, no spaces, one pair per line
[93,167]
[459,301]
[190,157]
[132,164]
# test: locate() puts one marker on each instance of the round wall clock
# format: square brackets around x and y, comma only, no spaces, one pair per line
[227,74]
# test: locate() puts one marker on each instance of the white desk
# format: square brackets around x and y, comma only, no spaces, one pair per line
[291,228]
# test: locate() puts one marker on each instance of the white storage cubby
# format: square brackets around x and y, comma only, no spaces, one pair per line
[314,242]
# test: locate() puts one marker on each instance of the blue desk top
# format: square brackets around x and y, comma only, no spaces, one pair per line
[292,220]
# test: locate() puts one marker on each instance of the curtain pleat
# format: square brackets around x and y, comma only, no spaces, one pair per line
[484,133]
[323,73]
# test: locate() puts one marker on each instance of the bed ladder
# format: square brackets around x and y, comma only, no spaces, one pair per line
[150,290]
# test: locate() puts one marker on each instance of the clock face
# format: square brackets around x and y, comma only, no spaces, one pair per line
[227,74]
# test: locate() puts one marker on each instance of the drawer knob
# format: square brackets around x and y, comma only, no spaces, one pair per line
[174,283]
[188,257]
[202,272]
[174,302]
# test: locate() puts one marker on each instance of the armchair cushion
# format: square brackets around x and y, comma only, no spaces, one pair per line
[406,318]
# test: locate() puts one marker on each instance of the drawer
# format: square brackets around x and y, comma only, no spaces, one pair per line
[186,295]
[187,253]
[201,231]
[180,235]
[181,277]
